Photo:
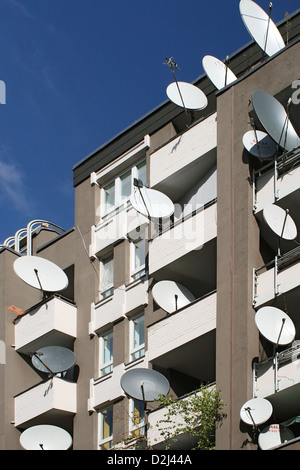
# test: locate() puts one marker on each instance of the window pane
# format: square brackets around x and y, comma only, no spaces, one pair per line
[140,253]
[138,335]
[141,172]
[109,196]
[107,275]
[125,185]
[107,423]
[108,347]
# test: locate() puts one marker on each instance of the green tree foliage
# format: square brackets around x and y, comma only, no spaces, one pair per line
[199,415]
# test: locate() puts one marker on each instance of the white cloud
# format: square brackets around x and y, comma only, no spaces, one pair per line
[12,187]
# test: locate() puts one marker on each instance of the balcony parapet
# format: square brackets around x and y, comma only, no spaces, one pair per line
[55,396]
[183,326]
[51,322]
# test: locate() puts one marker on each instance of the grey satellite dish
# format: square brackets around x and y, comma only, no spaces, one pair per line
[53,359]
[259,144]
[41,273]
[45,437]
[274,119]
[187,96]
[151,203]
[260,26]
[275,325]
[273,436]
[218,72]
[144,384]
[256,411]
[280,222]
[171,296]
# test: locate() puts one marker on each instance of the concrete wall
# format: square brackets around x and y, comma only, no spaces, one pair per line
[238,242]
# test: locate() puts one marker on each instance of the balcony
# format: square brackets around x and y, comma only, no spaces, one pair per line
[125,299]
[185,160]
[51,322]
[188,235]
[278,380]
[46,402]
[175,341]
[281,276]
[277,180]
[155,438]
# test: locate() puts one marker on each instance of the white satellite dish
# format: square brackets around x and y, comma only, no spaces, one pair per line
[280,222]
[41,273]
[53,359]
[218,72]
[260,26]
[151,203]
[275,120]
[273,436]
[256,411]
[171,296]
[45,437]
[187,96]
[275,325]
[144,384]
[259,144]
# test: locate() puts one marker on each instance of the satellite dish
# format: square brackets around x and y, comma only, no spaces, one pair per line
[274,118]
[187,96]
[171,296]
[217,71]
[151,203]
[41,273]
[144,384]
[53,359]
[280,222]
[256,411]
[260,26]
[259,144]
[275,325]
[45,437]
[273,436]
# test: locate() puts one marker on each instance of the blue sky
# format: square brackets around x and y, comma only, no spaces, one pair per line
[78,72]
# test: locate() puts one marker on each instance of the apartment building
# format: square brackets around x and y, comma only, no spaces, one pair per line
[215,244]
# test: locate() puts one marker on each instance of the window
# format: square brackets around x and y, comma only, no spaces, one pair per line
[106,353]
[106,429]
[116,193]
[138,255]
[107,277]
[137,418]
[137,337]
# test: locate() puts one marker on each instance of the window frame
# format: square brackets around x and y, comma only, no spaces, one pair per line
[136,272]
[140,349]
[109,364]
[119,203]
[104,294]
[139,428]
[105,440]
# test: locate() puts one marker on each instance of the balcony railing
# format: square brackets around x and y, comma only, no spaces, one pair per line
[276,180]
[277,373]
[279,276]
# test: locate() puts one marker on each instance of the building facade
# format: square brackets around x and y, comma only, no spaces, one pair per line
[215,244]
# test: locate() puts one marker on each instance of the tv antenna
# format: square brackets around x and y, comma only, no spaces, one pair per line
[183,94]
